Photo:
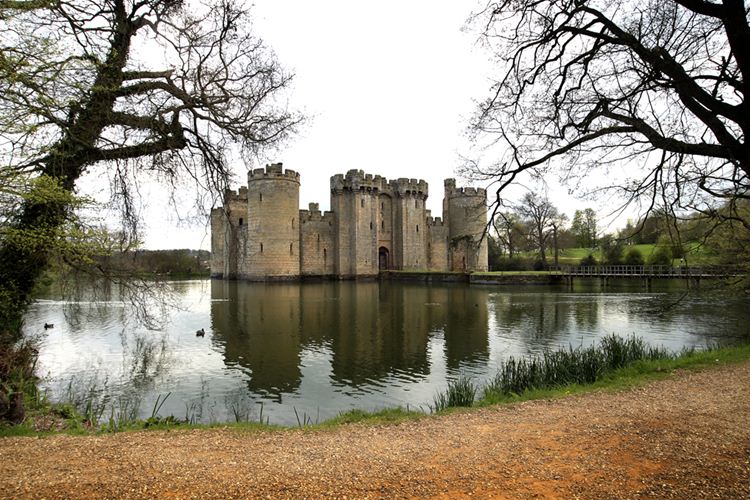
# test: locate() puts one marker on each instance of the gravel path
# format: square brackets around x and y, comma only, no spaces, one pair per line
[685,437]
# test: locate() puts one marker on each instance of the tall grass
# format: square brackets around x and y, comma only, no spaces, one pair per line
[460,392]
[581,365]
[550,369]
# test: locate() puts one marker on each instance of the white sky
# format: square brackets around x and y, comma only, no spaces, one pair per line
[388,89]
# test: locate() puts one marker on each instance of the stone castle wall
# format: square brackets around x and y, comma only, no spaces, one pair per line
[467,219]
[317,242]
[374,224]
[273,248]
[437,244]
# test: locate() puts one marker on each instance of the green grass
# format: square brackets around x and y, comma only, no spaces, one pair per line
[516,273]
[696,254]
[379,417]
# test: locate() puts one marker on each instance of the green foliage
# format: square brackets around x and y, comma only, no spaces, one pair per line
[589,260]
[514,264]
[634,257]
[460,392]
[661,256]
[612,249]
[584,227]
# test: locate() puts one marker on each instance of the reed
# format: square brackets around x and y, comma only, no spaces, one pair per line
[460,392]
[581,365]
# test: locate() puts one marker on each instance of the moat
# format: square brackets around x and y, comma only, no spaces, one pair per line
[323,348]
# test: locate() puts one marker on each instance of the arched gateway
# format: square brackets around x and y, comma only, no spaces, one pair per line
[383,259]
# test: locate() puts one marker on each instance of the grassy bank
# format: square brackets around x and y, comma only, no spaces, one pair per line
[614,364]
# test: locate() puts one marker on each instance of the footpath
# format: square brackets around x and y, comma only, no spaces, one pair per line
[684,437]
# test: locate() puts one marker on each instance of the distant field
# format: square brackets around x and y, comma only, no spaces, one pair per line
[696,254]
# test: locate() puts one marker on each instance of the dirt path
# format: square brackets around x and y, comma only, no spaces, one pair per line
[688,436]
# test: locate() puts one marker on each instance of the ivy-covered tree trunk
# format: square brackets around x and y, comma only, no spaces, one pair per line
[25,252]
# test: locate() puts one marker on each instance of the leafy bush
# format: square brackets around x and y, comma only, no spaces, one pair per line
[589,260]
[661,256]
[612,250]
[514,264]
[634,257]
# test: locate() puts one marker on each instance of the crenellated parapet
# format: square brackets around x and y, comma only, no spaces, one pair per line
[404,187]
[435,221]
[273,171]
[231,195]
[313,214]
[451,191]
[358,180]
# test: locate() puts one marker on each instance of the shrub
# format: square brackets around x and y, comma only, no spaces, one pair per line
[612,250]
[634,257]
[589,260]
[514,264]
[661,256]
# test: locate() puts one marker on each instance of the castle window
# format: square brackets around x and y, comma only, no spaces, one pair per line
[370,225]
[325,254]
[261,248]
[416,203]
[417,227]
[291,252]
[292,222]
[382,206]
[241,221]
[382,225]
[261,196]
[362,202]
[318,238]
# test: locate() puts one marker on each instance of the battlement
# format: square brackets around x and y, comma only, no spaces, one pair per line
[232,195]
[313,214]
[358,180]
[404,186]
[273,171]
[435,221]
[466,192]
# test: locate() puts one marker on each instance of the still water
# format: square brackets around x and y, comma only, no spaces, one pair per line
[318,349]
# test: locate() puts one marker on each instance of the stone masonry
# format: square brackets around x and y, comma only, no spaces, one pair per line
[374,224]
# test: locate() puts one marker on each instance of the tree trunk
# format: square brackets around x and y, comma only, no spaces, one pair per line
[554,242]
[22,263]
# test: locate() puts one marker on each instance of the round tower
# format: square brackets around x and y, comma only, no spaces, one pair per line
[467,220]
[272,224]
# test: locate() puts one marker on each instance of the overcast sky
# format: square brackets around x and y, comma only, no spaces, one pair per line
[388,89]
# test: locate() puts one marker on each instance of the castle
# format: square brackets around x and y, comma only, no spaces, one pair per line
[374,224]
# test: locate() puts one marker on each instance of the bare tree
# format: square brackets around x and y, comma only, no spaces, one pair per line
[121,88]
[657,86]
[557,224]
[541,216]
[509,231]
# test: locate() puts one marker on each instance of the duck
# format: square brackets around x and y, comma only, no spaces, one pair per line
[47,326]
[200,333]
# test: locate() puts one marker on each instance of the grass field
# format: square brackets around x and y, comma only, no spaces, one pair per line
[696,254]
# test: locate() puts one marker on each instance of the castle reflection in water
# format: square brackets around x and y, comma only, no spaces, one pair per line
[370,330]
